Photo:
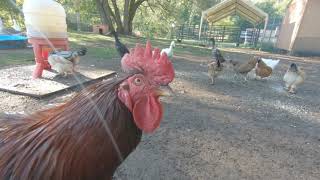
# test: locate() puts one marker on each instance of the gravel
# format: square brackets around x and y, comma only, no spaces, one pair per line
[230,130]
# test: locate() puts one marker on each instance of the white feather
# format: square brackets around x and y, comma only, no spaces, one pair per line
[270,62]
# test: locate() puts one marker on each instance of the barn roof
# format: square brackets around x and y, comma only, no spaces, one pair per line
[242,8]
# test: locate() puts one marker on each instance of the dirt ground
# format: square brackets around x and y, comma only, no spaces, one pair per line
[230,130]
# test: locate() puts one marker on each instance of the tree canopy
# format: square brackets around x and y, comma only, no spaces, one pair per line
[149,17]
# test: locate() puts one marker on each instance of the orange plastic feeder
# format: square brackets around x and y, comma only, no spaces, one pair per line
[41,48]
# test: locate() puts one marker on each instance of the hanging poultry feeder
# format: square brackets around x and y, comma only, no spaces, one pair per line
[46,25]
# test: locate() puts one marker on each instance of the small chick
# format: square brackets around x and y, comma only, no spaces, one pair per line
[293,77]
[214,69]
[262,69]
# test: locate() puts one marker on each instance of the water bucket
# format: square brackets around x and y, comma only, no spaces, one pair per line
[44,19]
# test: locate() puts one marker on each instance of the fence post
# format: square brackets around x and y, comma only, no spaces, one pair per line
[223,32]
[238,37]
[193,34]
[257,38]
[182,31]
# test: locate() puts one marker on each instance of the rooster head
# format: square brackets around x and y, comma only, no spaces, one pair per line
[152,74]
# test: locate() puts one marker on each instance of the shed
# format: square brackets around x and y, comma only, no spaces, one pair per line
[300,29]
[242,8]
[100,29]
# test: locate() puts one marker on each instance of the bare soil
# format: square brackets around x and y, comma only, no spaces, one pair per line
[230,130]
[18,80]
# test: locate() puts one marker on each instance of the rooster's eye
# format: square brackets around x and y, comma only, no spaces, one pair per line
[137,81]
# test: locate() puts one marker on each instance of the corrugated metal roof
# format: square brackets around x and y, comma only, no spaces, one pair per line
[242,8]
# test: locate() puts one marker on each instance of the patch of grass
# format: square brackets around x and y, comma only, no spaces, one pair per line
[102,53]
[16,57]
[102,48]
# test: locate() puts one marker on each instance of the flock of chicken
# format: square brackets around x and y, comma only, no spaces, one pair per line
[90,135]
[64,62]
[262,68]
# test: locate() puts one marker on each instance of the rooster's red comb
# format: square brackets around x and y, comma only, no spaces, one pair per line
[158,67]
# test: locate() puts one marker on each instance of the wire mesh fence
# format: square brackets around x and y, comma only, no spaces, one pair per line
[230,34]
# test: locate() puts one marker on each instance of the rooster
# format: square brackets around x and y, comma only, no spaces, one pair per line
[64,62]
[293,77]
[121,48]
[90,135]
[169,51]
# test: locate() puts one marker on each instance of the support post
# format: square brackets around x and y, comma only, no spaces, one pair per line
[264,31]
[201,22]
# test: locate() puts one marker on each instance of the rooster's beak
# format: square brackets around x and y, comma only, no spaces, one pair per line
[164,91]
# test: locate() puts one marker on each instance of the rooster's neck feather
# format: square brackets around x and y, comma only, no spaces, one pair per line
[69,141]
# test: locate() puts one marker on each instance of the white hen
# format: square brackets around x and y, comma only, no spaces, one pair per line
[60,64]
[64,62]
[270,62]
[169,51]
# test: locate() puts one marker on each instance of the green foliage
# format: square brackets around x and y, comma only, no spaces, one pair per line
[154,18]
[9,10]
[86,9]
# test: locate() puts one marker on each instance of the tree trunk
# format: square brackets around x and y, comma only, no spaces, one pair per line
[117,17]
[133,7]
[126,17]
[107,15]
[105,18]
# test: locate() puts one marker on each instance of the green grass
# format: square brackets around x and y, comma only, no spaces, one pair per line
[16,57]
[101,47]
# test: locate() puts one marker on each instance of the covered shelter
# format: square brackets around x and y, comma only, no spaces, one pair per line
[242,8]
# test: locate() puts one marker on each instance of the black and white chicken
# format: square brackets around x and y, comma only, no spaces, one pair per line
[216,55]
[121,48]
[64,62]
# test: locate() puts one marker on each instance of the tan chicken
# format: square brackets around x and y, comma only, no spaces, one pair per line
[214,69]
[262,69]
[243,68]
[293,77]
